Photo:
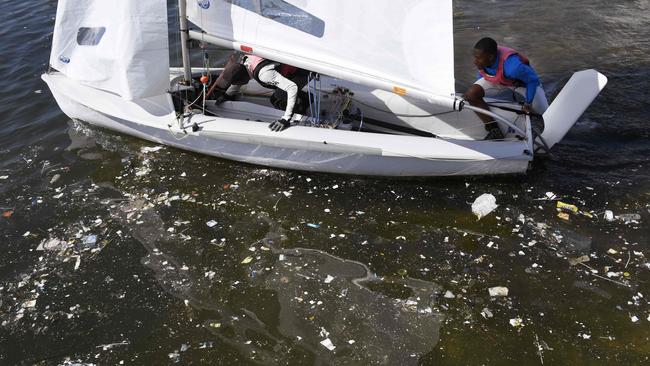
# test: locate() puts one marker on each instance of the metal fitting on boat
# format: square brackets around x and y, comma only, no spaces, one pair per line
[459,104]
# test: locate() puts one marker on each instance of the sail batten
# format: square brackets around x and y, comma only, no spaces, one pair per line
[399,46]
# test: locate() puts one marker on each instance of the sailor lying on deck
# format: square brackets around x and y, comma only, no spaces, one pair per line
[287,81]
[503,69]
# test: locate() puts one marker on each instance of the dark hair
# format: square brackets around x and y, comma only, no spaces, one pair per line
[487,45]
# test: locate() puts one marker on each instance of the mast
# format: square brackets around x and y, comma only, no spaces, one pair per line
[182,15]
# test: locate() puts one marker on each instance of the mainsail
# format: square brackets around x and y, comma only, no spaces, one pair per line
[120,45]
[402,46]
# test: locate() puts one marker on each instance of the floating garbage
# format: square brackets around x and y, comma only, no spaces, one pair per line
[7,214]
[51,244]
[498,291]
[29,304]
[629,218]
[551,195]
[449,295]
[55,178]
[329,279]
[147,149]
[609,215]
[247,260]
[578,260]
[567,207]
[564,216]
[211,223]
[517,322]
[483,205]
[328,344]
[174,356]
[487,313]
[313,226]
[90,241]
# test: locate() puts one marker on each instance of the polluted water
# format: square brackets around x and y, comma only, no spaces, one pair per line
[118,251]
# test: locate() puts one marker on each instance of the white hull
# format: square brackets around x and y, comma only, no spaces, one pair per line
[299,147]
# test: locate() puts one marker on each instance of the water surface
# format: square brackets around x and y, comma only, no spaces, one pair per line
[171,257]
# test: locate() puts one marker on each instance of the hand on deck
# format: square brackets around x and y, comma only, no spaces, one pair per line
[279,125]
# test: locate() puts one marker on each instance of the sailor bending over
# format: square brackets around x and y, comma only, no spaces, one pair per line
[502,69]
[287,81]
[229,83]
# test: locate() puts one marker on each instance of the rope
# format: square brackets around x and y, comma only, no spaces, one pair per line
[311,108]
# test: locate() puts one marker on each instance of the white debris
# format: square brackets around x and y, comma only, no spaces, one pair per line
[517,322]
[629,218]
[90,240]
[51,244]
[410,302]
[486,313]
[142,172]
[150,149]
[55,178]
[329,279]
[483,205]
[634,318]
[211,223]
[498,291]
[328,344]
[324,333]
[449,295]
[4,177]
[352,341]
[609,215]
[29,304]
[286,194]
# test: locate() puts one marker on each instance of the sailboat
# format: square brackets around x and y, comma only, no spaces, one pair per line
[382,95]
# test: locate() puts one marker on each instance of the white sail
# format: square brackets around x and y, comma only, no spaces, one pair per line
[120,45]
[403,46]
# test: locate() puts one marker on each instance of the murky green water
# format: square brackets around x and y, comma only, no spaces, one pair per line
[171,257]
